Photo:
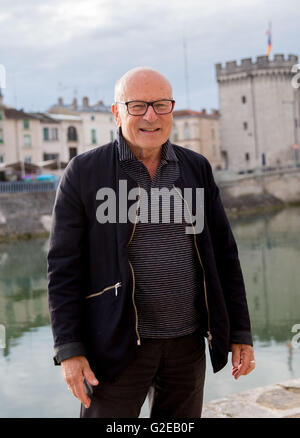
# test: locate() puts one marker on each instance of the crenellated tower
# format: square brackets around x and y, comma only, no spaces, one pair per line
[259,111]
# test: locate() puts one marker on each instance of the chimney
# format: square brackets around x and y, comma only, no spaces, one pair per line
[203,111]
[74,103]
[60,101]
[100,102]
[85,102]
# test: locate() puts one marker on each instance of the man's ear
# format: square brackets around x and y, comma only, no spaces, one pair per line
[115,111]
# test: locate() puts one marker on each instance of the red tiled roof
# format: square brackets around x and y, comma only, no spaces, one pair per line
[12,113]
[179,113]
[203,113]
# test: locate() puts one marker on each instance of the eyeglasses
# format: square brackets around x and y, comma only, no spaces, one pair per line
[139,107]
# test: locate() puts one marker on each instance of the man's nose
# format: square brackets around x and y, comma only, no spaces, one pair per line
[150,115]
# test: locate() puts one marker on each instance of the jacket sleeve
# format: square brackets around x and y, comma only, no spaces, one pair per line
[228,265]
[65,265]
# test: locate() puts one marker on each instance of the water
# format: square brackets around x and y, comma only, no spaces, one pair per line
[30,384]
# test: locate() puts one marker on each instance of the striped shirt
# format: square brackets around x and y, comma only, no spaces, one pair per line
[162,255]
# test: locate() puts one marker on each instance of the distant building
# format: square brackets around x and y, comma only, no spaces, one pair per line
[98,124]
[198,131]
[71,136]
[49,138]
[19,136]
[259,109]
[59,134]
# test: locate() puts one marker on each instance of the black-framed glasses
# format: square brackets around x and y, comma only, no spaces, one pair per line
[139,107]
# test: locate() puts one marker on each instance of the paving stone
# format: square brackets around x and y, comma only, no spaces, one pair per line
[234,407]
[280,398]
[292,416]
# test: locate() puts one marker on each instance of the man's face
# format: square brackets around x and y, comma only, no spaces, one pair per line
[151,129]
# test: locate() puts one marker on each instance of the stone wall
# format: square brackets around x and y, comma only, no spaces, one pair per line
[253,193]
[25,215]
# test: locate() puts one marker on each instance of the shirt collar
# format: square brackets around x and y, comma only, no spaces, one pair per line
[125,153]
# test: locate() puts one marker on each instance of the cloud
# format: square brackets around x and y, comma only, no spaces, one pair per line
[87,44]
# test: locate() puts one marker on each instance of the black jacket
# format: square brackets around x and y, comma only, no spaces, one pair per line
[87,258]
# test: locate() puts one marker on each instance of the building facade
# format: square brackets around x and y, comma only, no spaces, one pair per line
[59,134]
[200,132]
[259,109]
[98,125]
[19,136]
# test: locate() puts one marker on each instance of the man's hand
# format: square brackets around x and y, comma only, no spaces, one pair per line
[74,370]
[242,360]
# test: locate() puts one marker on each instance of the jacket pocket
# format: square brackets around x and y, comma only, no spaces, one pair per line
[114,286]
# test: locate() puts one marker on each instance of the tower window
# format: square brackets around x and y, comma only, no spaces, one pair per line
[245,124]
[244,100]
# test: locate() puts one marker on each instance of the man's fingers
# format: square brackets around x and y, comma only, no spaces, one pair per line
[81,394]
[90,376]
[75,370]
[245,368]
[236,357]
[77,389]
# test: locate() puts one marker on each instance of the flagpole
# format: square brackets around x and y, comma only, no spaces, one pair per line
[269,33]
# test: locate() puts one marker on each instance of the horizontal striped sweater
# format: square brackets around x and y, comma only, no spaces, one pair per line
[168,285]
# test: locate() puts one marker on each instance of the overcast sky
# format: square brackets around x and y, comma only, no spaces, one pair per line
[76,48]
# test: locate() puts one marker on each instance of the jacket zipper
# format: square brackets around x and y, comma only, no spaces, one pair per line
[132,272]
[209,335]
[114,286]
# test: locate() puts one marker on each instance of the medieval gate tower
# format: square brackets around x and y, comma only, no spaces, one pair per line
[260,110]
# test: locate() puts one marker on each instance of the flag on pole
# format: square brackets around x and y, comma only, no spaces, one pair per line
[269,40]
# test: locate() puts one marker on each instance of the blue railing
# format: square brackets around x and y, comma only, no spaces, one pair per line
[23,186]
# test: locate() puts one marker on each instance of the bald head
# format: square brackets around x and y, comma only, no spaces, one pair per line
[131,84]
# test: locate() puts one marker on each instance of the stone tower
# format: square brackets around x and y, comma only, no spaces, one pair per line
[259,112]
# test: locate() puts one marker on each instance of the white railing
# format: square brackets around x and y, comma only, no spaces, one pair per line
[23,186]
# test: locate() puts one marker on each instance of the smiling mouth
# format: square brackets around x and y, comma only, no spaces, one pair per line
[150,130]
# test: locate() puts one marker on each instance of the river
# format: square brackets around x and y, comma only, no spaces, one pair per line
[30,384]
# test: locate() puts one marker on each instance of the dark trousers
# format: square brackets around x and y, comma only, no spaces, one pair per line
[171,371]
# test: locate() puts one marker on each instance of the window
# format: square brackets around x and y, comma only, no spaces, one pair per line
[92,117]
[27,159]
[244,100]
[187,132]
[72,153]
[175,133]
[46,134]
[72,134]
[93,136]
[245,124]
[247,156]
[47,157]
[54,134]
[1,135]
[27,141]
[212,133]
[50,134]
[1,158]
[214,150]
[26,123]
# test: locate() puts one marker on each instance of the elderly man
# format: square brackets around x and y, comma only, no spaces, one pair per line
[132,301]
